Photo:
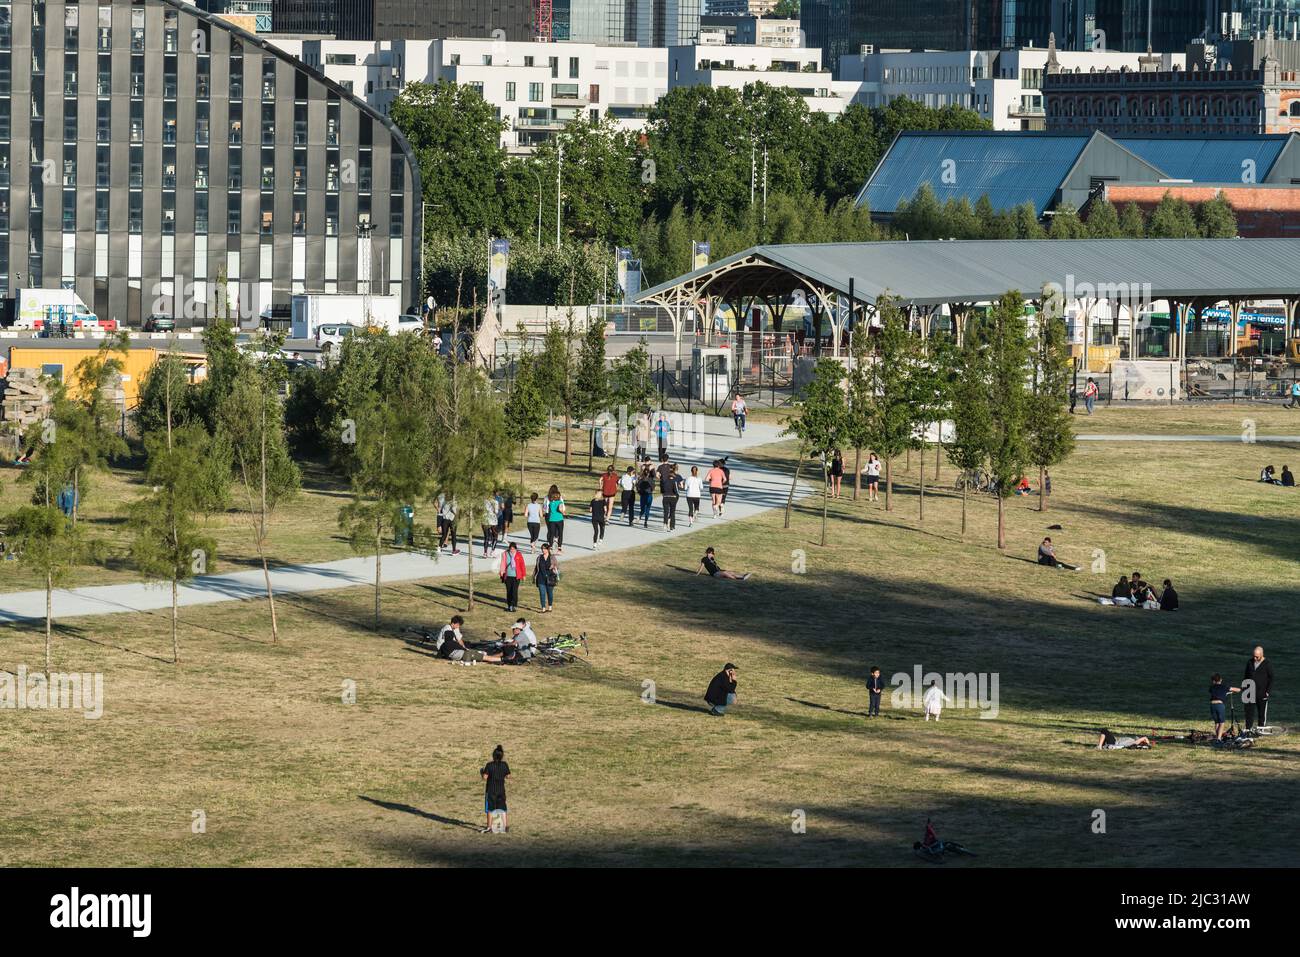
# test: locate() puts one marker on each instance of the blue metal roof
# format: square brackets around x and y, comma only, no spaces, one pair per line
[1010,168]
[1208,160]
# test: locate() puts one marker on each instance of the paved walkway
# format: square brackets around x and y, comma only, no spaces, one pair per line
[754,490]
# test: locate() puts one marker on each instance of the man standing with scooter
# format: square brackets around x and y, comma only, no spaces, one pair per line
[1255,688]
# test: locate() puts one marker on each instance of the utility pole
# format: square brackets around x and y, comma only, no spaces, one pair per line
[765,186]
[559,164]
[363,267]
[753,171]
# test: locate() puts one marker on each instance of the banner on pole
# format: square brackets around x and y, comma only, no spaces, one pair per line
[498,263]
[700,255]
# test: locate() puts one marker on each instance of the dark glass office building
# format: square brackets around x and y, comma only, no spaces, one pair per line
[147,150]
[404,19]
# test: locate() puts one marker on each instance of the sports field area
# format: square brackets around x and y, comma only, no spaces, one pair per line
[615,761]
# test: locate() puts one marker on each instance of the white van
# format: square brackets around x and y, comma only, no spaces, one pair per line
[329,337]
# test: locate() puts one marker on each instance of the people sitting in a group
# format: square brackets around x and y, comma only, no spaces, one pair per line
[1112,742]
[451,645]
[1144,596]
[1168,597]
[1287,479]
[1134,591]
[1022,487]
[1047,556]
[1266,475]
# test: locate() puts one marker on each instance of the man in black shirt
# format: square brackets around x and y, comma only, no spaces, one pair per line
[722,690]
[1255,688]
[1168,597]
[709,563]
[598,517]
[452,646]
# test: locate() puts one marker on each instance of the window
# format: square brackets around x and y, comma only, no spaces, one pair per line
[268,209]
[573,67]
[101,211]
[555,67]
[341,59]
[268,124]
[137,31]
[232,215]
[53,370]
[201,123]
[236,131]
[135,212]
[102,167]
[200,212]
[69,210]
[510,91]
[200,169]
[534,92]
[103,123]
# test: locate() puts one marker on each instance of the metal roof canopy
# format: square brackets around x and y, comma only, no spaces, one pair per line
[933,273]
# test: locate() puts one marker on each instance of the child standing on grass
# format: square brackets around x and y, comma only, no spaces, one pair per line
[875,688]
[933,700]
[494,774]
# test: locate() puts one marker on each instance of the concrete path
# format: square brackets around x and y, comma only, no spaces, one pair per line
[754,490]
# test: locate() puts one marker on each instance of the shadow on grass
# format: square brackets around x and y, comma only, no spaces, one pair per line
[427,815]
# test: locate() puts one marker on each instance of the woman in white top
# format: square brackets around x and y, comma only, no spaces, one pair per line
[872,472]
[533,518]
[491,512]
[694,490]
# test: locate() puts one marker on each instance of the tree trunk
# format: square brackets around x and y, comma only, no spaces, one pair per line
[1002,523]
[379,548]
[938,456]
[261,536]
[568,439]
[523,446]
[889,484]
[469,551]
[1042,489]
[907,464]
[857,473]
[920,488]
[826,485]
[591,447]
[963,509]
[176,648]
[789,502]
[76,493]
[49,618]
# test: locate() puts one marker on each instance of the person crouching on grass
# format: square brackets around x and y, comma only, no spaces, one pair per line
[494,775]
[721,692]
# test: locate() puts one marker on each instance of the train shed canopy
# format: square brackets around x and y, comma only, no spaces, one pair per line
[935,273]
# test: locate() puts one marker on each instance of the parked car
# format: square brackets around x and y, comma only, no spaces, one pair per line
[329,337]
[159,324]
[410,323]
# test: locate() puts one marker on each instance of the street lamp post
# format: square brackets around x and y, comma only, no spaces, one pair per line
[559,164]
[538,173]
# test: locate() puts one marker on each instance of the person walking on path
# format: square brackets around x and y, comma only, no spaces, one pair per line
[447,521]
[533,515]
[491,516]
[555,519]
[717,479]
[663,428]
[627,485]
[1074,396]
[494,775]
[721,693]
[875,688]
[669,490]
[546,574]
[837,473]
[505,514]
[933,700]
[599,507]
[609,488]
[738,410]
[694,491]
[642,435]
[1090,392]
[645,488]
[1256,686]
[872,473]
[512,571]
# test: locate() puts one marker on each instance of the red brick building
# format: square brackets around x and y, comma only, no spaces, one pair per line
[1264,210]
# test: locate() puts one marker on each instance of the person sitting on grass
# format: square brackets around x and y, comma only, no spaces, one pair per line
[451,646]
[1168,597]
[709,563]
[1143,594]
[1266,475]
[721,693]
[1122,593]
[1219,692]
[1047,556]
[1287,479]
[1111,742]
[524,638]
[1022,487]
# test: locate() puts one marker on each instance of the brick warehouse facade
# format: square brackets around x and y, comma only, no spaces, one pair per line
[1262,99]
[1263,210]
[146,147]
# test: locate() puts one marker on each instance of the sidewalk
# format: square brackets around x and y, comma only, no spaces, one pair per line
[754,490]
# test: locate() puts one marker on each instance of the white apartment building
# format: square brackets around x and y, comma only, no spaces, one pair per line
[736,66]
[1003,86]
[536,87]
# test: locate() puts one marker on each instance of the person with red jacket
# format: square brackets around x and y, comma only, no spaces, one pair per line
[609,488]
[512,571]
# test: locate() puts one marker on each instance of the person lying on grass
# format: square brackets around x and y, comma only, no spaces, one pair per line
[709,563]
[1111,742]
[1047,556]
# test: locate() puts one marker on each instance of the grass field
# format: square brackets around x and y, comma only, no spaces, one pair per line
[258,738]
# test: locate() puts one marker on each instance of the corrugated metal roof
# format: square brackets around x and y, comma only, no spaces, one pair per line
[1208,160]
[929,273]
[1008,167]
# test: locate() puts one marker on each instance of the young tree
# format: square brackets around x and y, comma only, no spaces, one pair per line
[591,382]
[1049,436]
[251,418]
[558,377]
[971,415]
[90,423]
[167,542]
[821,420]
[893,418]
[525,409]
[1008,358]
[49,544]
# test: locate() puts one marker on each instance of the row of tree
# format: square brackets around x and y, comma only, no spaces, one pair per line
[1004,390]
[924,217]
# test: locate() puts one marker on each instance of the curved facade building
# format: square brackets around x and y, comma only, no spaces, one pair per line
[147,150]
